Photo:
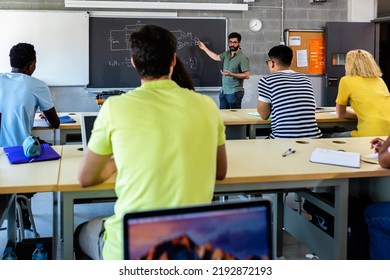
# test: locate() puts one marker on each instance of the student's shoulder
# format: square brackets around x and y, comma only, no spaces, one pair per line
[273,76]
[34,81]
[348,78]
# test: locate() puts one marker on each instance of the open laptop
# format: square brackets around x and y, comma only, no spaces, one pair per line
[86,125]
[234,230]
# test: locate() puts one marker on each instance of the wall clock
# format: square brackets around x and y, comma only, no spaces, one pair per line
[255,24]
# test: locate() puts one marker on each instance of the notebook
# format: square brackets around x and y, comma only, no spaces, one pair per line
[86,124]
[234,230]
[333,157]
[16,155]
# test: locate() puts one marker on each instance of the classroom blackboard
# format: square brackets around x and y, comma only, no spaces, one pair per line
[309,50]
[109,54]
[60,39]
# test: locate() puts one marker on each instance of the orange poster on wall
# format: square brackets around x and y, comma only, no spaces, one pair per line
[317,56]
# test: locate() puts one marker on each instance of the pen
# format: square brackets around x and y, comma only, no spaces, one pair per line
[288,152]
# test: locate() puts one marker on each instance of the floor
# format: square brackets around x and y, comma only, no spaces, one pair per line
[293,249]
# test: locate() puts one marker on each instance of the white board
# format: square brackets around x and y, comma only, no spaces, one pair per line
[60,39]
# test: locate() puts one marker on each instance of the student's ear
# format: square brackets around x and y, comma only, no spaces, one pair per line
[31,68]
[132,61]
[173,63]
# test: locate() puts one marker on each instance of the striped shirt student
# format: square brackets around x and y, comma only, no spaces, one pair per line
[287,96]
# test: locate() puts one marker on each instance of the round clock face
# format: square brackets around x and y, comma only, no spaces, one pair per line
[255,24]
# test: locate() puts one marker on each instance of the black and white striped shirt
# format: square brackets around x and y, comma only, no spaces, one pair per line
[292,104]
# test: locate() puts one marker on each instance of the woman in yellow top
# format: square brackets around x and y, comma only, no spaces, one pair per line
[363,88]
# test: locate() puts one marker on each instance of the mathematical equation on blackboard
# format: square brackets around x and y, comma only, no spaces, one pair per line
[110,59]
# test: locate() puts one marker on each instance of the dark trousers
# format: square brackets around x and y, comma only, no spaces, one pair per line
[230,101]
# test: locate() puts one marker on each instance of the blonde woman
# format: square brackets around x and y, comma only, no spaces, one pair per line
[363,88]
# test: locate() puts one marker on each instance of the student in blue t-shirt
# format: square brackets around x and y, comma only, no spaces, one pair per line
[21,95]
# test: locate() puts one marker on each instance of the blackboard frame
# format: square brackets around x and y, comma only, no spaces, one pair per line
[109,56]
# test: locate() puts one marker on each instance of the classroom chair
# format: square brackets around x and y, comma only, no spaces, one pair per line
[21,229]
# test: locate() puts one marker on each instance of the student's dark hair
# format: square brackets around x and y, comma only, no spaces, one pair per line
[152,49]
[282,54]
[181,76]
[22,54]
[235,35]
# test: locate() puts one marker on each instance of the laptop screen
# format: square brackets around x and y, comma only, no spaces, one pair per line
[234,230]
[86,123]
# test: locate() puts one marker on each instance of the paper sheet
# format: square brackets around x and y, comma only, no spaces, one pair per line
[302,58]
[40,123]
[333,157]
[370,158]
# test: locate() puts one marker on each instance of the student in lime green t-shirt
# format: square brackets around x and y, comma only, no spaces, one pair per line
[166,143]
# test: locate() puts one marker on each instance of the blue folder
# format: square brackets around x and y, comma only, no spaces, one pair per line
[16,155]
[66,119]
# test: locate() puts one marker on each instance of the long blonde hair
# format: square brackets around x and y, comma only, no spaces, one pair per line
[361,63]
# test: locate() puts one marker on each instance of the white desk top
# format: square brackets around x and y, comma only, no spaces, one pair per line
[258,160]
[262,161]
[29,177]
[43,126]
[70,163]
[247,116]
[230,117]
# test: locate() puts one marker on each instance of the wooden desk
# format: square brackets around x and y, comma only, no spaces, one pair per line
[64,129]
[69,128]
[70,191]
[255,166]
[241,119]
[259,166]
[39,176]
[26,178]
[237,123]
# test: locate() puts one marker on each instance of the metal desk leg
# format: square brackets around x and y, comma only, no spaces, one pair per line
[54,136]
[62,137]
[235,132]
[252,131]
[67,215]
[278,216]
[55,226]
[341,222]
[67,224]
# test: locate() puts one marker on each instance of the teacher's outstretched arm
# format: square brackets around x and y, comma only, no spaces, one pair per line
[210,53]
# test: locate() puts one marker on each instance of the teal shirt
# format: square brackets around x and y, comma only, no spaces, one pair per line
[239,63]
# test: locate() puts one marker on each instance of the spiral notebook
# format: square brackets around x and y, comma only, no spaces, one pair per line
[16,155]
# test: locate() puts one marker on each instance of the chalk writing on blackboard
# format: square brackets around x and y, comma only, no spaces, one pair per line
[110,64]
[119,41]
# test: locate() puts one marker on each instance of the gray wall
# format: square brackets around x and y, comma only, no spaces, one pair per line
[297,14]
